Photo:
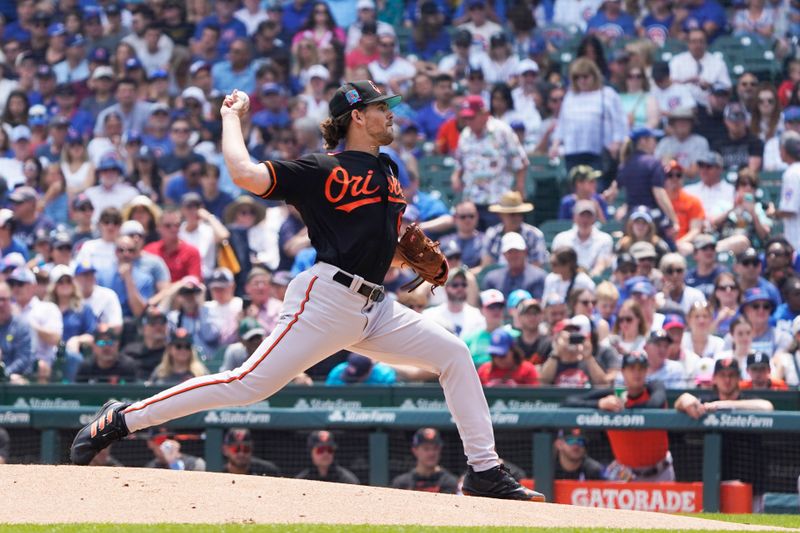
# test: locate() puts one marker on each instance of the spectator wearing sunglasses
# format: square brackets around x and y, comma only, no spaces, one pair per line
[148,350]
[757,307]
[706,268]
[179,362]
[237,447]
[674,288]
[456,314]
[466,235]
[322,448]
[572,460]
[748,273]
[107,364]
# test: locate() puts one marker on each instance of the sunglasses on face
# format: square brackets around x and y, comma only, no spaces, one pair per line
[635,76]
[495,307]
[63,248]
[121,250]
[466,216]
[182,346]
[156,321]
[727,288]
[109,222]
[751,263]
[671,271]
[241,448]
[457,285]
[575,441]
[587,302]
[319,450]
[761,307]
[675,175]
[766,100]
[105,342]
[626,319]
[14,283]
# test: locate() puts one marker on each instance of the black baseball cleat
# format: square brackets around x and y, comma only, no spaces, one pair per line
[498,482]
[107,426]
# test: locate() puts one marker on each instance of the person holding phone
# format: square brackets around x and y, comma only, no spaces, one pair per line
[746,218]
[572,364]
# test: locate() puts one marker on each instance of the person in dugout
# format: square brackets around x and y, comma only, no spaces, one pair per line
[638,455]
[427,475]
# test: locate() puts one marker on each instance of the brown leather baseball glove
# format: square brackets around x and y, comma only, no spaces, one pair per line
[423,256]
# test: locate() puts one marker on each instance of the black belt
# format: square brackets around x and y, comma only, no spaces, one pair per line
[374,293]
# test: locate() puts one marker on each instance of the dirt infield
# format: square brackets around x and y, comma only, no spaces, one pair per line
[69,494]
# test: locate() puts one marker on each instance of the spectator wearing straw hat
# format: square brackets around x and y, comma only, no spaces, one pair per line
[510,208]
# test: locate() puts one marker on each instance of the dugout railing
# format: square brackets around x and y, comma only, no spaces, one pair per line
[371,439]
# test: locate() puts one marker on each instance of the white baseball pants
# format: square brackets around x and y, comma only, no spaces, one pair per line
[319,318]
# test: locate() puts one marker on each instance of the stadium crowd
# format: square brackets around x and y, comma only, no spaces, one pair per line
[128,255]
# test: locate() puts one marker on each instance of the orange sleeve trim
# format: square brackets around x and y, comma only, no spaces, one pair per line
[170,393]
[271,172]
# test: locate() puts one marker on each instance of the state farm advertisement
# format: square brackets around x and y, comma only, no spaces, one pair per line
[659,497]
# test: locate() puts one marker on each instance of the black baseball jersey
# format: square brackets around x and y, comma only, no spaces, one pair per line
[260,467]
[351,202]
[440,481]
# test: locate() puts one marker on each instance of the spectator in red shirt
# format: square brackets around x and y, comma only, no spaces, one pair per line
[507,367]
[182,259]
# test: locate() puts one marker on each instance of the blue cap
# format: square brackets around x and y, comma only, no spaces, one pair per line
[791,114]
[90,12]
[271,88]
[641,133]
[501,342]
[55,29]
[109,163]
[640,285]
[45,71]
[132,63]
[158,74]
[756,294]
[84,267]
[673,320]
[99,55]
[113,9]
[517,125]
[74,137]
[76,40]
[516,297]
[537,46]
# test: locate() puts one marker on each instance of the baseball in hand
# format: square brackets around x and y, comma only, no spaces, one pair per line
[237,101]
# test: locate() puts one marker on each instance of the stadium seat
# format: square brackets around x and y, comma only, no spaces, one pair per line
[552,227]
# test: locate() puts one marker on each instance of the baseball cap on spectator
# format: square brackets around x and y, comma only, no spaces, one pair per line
[585,206]
[37,115]
[318,71]
[753,295]
[180,335]
[197,66]
[429,8]
[537,45]
[673,320]
[158,74]
[452,249]
[409,127]
[81,200]
[249,327]
[355,94]
[76,40]
[191,198]
[257,271]
[64,89]
[60,238]
[133,63]
[22,274]
[790,142]
[476,3]
[59,121]
[643,250]
[58,272]
[159,107]
[99,55]
[113,8]
[462,37]
[719,88]
[236,436]
[281,278]
[221,277]
[636,357]
[103,332]
[527,65]
[153,315]
[358,367]
[749,254]
[23,194]
[321,438]
[642,132]
[271,88]
[190,285]
[641,212]
[56,29]
[727,364]
[84,267]
[673,166]
[624,259]
[13,260]
[512,241]
[90,12]
[41,16]
[365,4]
[426,436]
[474,71]
[492,296]
[471,106]
[131,137]
[530,303]
[553,299]
[583,173]
[659,335]
[620,55]
[791,114]
[498,39]
[517,125]
[45,71]
[500,342]
[660,71]
[681,113]
[41,235]
[579,324]
[20,133]
[132,227]
[757,358]
[73,137]
[704,240]
[109,163]
[145,153]
[640,285]
[735,112]
[711,158]
[516,297]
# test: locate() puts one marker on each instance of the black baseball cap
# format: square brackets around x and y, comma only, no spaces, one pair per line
[429,435]
[757,359]
[636,357]
[355,94]
[724,364]
[321,438]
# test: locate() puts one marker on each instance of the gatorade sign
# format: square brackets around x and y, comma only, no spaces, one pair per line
[658,497]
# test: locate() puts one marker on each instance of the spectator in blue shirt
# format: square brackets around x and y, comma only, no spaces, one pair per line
[708,15]
[27,16]
[236,72]
[584,183]
[274,115]
[15,340]
[8,242]
[187,181]
[430,38]
[790,308]
[431,117]
[295,13]
[230,27]
[657,24]
[611,23]
[361,369]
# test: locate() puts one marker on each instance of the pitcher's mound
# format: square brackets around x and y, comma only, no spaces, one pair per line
[53,494]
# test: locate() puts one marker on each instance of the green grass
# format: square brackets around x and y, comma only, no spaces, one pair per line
[790,521]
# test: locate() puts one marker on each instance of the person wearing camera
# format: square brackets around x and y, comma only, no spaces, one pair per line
[572,364]
[638,455]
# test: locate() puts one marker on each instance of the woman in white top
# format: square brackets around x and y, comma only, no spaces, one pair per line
[591,118]
[630,329]
[698,337]
[565,275]
[787,364]
[75,165]
[501,104]
[742,341]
